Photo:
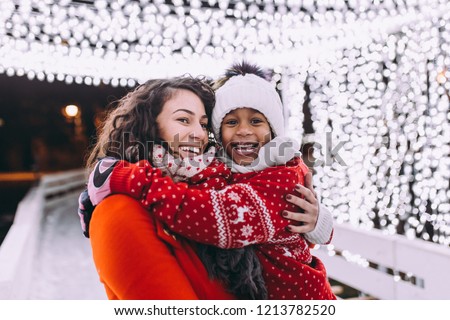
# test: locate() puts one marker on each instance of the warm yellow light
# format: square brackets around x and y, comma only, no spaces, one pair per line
[71,110]
[441,78]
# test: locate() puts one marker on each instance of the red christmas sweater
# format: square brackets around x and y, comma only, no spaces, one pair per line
[245,212]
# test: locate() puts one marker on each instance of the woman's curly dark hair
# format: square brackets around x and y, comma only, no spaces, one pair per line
[130,128]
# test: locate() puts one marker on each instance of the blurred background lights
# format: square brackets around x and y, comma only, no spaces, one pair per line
[71,111]
[38,34]
[441,77]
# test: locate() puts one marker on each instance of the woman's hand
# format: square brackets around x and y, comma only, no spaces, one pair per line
[303,222]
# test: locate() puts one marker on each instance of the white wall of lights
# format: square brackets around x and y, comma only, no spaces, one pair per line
[121,42]
[378,73]
[388,103]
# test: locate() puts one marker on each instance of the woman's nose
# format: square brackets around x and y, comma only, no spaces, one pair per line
[198,132]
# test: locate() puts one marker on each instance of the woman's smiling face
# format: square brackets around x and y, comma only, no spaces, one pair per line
[244,131]
[183,124]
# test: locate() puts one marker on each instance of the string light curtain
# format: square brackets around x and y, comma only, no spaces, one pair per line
[376,72]
[121,42]
[381,117]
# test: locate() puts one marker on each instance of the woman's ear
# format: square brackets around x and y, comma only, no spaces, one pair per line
[211,138]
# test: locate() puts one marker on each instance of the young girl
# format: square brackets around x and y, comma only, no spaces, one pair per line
[248,119]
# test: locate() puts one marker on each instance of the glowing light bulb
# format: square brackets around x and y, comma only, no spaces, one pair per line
[441,78]
[71,110]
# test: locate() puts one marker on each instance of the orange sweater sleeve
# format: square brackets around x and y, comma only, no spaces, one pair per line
[131,260]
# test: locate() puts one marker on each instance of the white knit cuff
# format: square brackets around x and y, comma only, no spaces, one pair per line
[324,227]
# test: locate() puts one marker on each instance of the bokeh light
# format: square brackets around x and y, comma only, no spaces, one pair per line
[71,111]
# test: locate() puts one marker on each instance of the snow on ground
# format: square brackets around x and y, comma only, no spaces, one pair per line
[64,265]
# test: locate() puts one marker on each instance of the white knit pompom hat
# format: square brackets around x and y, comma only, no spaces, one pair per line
[250,91]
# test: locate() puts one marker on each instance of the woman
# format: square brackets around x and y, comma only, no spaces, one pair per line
[168,265]
[171,269]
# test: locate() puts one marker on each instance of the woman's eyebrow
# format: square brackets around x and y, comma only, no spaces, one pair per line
[189,111]
[184,110]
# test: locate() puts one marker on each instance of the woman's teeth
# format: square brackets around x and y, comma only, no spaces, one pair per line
[190,149]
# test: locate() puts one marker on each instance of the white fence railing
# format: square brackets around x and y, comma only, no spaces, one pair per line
[387,266]
[17,252]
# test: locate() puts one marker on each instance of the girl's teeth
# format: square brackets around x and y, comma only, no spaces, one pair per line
[245,147]
[245,151]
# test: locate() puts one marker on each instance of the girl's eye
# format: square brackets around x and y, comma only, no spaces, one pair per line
[204,125]
[256,121]
[230,122]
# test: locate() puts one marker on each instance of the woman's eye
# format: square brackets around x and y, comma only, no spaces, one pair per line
[183,120]
[204,125]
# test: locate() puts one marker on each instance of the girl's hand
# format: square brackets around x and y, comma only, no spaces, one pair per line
[100,178]
[303,222]
[85,209]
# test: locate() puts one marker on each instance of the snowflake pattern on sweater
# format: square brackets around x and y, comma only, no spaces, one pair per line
[245,212]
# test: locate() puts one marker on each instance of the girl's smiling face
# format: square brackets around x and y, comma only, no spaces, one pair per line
[183,124]
[244,131]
